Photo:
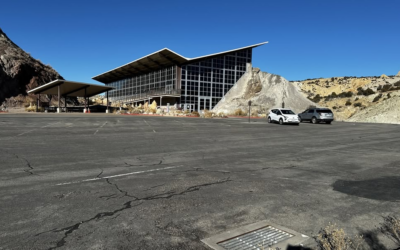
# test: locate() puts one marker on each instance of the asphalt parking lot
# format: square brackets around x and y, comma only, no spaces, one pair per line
[75,181]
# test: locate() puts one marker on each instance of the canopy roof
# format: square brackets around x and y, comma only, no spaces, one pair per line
[70,88]
[157,60]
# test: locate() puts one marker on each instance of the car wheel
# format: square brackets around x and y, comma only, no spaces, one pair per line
[314,120]
[281,121]
[328,122]
[300,119]
[297,124]
[269,119]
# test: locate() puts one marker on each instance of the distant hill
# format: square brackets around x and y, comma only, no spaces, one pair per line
[19,72]
[363,99]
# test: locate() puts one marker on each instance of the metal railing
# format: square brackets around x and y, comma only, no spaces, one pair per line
[147,94]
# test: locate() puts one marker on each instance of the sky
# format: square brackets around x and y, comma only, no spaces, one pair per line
[307,39]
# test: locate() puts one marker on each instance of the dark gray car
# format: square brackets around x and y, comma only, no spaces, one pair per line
[316,115]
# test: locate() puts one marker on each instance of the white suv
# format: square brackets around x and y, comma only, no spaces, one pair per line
[283,116]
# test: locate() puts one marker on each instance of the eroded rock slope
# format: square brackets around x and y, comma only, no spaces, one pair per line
[19,72]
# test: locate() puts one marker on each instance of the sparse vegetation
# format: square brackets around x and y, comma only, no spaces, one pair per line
[239,112]
[208,114]
[348,103]
[334,238]
[391,228]
[386,88]
[195,113]
[357,104]
[316,98]
[377,98]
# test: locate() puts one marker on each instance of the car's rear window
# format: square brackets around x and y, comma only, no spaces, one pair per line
[324,111]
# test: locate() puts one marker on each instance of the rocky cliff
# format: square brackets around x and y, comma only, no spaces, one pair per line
[265,91]
[19,72]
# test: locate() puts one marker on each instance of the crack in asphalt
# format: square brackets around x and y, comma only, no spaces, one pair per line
[224,171]
[98,176]
[28,164]
[127,205]
[154,187]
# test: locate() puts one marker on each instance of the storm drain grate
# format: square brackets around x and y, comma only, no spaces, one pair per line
[257,239]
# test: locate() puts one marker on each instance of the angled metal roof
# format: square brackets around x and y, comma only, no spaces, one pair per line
[154,61]
[70,88]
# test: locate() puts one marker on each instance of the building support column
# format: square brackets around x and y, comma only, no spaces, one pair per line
[59,98]
[107,102]
[84,110]
[65,103]
[37,104]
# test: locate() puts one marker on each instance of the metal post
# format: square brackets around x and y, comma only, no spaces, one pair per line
[249,110]
[59,98]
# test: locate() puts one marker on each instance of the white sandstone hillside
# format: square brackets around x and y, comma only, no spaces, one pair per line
[266,91]
[387,111]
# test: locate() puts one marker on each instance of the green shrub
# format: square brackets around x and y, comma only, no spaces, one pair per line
[348,103]
[386,87]
[377,98]
[316,98]
[357,104]
[397,84]
[356,99]
[368,91]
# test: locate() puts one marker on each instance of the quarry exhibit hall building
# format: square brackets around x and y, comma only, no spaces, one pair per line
[168,78]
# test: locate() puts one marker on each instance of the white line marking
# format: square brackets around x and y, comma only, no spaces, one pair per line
[103,125]
[96,132]
[37,128]
[114,176]
[154,131]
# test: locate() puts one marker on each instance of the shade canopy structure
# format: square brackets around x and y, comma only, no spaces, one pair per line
[155,61]
[70,88]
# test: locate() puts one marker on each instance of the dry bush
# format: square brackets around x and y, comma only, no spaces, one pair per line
[195,113]
[239,112]
[152,110]
[257,88]
[254,112]
[186,112]
[33,109]
[208,114]
[221,114]
[334,238]
[391,228]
